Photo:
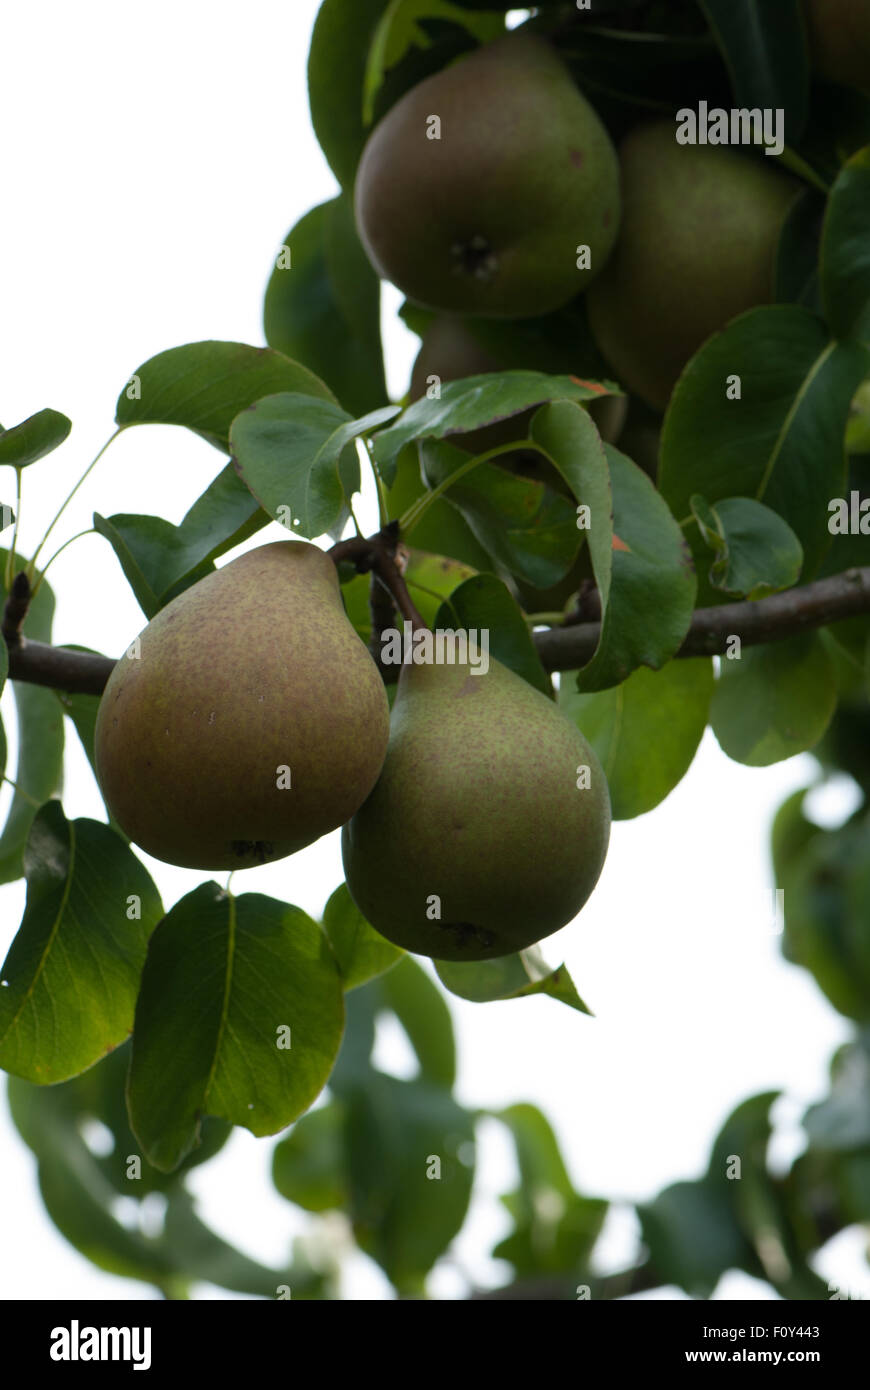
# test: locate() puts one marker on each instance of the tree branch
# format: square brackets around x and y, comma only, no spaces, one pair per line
[766,620]
[567,648]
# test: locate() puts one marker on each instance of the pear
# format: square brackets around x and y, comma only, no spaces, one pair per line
[477,187]
[697,247]
[477,839]
[839,40]
[248,720]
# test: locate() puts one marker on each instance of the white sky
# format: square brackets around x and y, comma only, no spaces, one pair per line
[151,160]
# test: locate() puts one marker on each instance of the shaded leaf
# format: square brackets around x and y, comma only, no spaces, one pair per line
[665,711]
[410,1156]
[223,981]
[524,525]
[308,1167]
[757,553]
[774,701]
[845,258]
[287,449]
[509,977]
[485,603]
[475,401]
[361,952]
[766,55]
[782,443]
[72,972]
[35,437]
[40,740]
[422,1011]
[340,42]
[323,308]
[204,385]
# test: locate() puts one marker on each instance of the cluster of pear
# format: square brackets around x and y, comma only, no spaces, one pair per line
[477,189]
[248,719]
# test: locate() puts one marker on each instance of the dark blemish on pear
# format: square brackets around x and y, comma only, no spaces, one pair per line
[466,933]
[260,850]
[577,159]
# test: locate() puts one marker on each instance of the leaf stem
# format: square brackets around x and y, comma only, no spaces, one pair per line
[21,792]
[10,558]
[419,508]
[89,532]
[31,568]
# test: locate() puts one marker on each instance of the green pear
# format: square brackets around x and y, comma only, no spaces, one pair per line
[478,816]
[450,350]
[477,187]
[839,40]
[698,245]
[248,719]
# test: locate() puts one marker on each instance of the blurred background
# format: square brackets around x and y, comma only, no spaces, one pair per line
[152,161]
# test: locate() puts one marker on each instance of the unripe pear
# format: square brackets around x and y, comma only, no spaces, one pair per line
[698,245]
[489,824]
[476,189]
[248,719]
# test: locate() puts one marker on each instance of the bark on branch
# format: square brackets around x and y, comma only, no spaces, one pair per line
[567,648]
[770,619]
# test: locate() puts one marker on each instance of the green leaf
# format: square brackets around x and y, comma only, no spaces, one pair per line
[757,553]
[555,1227]
[400,29]
[77,1196]
[484,602]
[766,55]
[80,1191]
[663,710]
[825,878]
[159,560]
[422,1011]
[4,661]
[72,972]
[361,952]
[797,254]
[40,741]
[774,701]
[82,711]
[761,1206]
[409,1148]
[783,441]
[442,530]
[432,579]
[199,1253]
[509,977]
[287,449]
[203,386]
[148,550]
[35,437]
[639,558]
[841,1122]
[523,524]
[475,401]
[693,1237]
[308,1167]
[323,308]
[223,981]
[845,258]
[340,42]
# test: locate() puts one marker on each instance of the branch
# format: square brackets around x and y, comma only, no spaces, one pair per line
[766,620]
[567,648]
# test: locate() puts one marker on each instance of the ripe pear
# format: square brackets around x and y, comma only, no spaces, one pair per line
[477,187]
[839,40]
[477,839]
[698,246]
[249,719]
